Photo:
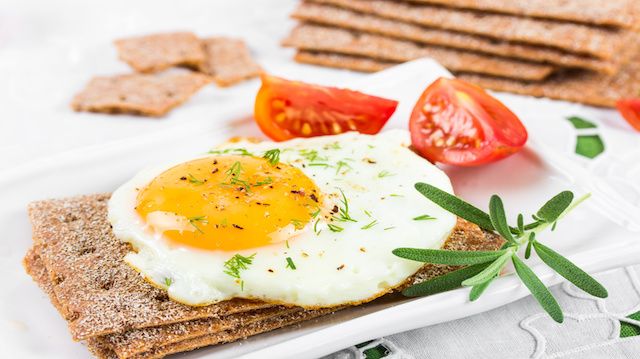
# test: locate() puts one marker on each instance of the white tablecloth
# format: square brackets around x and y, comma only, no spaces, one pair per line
[49,49]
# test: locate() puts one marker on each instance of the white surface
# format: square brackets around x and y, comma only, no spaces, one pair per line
[48,50]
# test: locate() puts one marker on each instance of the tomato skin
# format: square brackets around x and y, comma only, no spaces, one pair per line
[458,123]
[630,110]
[287,109]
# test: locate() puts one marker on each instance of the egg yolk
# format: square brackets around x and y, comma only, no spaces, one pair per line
[228,202]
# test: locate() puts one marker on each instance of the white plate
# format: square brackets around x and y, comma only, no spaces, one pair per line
[30,327]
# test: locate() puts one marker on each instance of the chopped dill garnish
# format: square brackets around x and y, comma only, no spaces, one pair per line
[312,155]
[198,219]
[233,176]
[237,263]
[332,146]
[342,164]
[367,213]
[238,151]
[315,213]
[286,243]
[388,228]
[168,281]
[325,165]
[273,156]
[371,224]
[297,224]
[290,264]
[335,228]
[385,173]
[424,217]
[194,180]
[315,227]
[395,195]
[343,214]
[264,182]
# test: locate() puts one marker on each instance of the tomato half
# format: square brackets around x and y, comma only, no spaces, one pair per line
[458,123]
[630,110]
[286,109]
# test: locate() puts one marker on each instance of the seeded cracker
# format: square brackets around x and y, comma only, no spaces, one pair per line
[347,19]
[147,95]
[318,38]
[99,293]
[77,227]
[228,61]
[618,13]
[577,38]
[153,53]
[339,61]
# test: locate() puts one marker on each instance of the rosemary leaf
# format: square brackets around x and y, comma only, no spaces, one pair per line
[439,256]
[538,289]
[477,290]
[443,283]
[551,210]
[570,271]
[491,271]
[499,218]
[455,205]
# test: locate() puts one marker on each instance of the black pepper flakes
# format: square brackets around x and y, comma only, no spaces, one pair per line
[314,197]
[183,178]
[237,226]
[341,267]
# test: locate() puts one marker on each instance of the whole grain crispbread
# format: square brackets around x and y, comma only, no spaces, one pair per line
[340,61]
[157,52]
[98,292]
[228,60]
[140,94]
[347,19]
[620,13]
[603,43]
[73,257]
[326,39]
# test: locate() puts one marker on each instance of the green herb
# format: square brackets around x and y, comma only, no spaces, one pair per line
[385,173]
[371,224]
[388,228]
[343,211]
[312,156]
[264,182]
[194,180]
[484,266]
[332,146]
[395,195]
[286,243]
[233,175]
[198,219]
[238,151]
[335,228]
[366,212]
[273,156]
[315,227]
[168,281]
[315,213]
[342,164]
[237,263]
[297,224]
[315,164]
[290,264]
[424,217]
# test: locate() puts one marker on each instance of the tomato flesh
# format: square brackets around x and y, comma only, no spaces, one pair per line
[457,123]
[287,109]
[630,110]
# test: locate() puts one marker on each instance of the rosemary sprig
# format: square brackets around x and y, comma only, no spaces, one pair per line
[484,266]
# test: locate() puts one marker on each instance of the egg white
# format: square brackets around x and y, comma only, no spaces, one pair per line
[332,268]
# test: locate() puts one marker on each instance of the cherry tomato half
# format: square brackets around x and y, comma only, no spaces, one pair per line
[458,123]
[286,109]
[630,110]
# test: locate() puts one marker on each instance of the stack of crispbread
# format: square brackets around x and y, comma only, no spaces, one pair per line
[578,50]
[77,262]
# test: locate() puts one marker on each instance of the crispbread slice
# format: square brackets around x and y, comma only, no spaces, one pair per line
[157,52]
[228,61]
[334,16]
[622,13]
[326,39]
[98,292]
[600,42]
[148,95]
[576,86]
[340,61]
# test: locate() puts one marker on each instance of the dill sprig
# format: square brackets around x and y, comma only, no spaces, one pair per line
[424,217]
[237,151]
[484,266]
[198,219]
[290,264]
[193,180]
[343,211]
[236,264]
[334,228]
[385,173]
[273,156]
[233,176]
[370,224]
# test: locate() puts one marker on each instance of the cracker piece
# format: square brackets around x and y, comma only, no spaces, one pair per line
[99,293]
[239,333]
[578,38]
[620,13]
[141,340]
[146,95]
[334,16]
[325,39]
[228,61]
[576,86]
[157,52]
[340,61]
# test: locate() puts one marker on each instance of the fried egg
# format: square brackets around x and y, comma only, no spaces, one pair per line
[308,222]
